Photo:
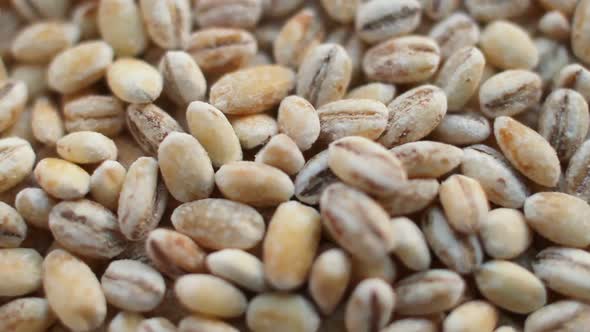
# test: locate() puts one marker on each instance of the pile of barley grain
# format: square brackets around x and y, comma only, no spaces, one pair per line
[294,165]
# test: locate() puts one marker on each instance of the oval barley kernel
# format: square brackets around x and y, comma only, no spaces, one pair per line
[564,121]
[329,277]
[269,312]
[219,223]
[63,277]
[462,129]
[413,196]
[510,92]
[351,117]
[427,159]
[120,25]
[375,91]
[80,66]
[412,248]
[16,161]
[324,74]
[40,42]
[370,306]
[238,267]
[349,158]
[86,147]
[559,217]
[186,168]
[230,13]
[577,176]
[413,115]
[472,316]
[254,130]
[183,80]
[254,183]
[149,125]
[13,97]
[13,229]
[221,50]
[20,270]
[132,285]
[168,22]
[382,19]
[299,34]
[106,182]
[298,119]
[210,295]
[313,178]
[134,81]
[356,222]
[125,321]
[103,114]
[62,179]
[564,270]
[29,314]
[505,234]
[429,292]
[34,206]
[565,315]
[409,59]
[173,253]
[46,122]
[142,200]
[507,46]
[555,25]
[464,202]
[527,151]
[580,37]
[252,90]
[281,152]
[575,77]
[455,32]
[510,286]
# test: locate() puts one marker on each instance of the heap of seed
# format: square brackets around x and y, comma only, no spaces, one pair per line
[294,166]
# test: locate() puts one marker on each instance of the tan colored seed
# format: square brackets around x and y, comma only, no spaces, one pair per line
[351,117]
[254,130]
[252,90]
[290,245]
[120,25]
[559,217]
[142,200]
[382,19]
[329,278]
[281,152]
[34,76]
[229,13]
[73,292]
[464,202]
[510,92]
[356,222]
[196,323]
[20,271]
[300,34]
[62,179]
[13,97]
[173,253]
[484,10]
[80,66]
[555,25]
[106,182]
[413,115]
[427,158]
[565,315]
[46,122]
[183,80]
[376,91]
[125,321]
[150,125]
[16,162]
[239,267]
[168,22]
[13,229]
[473,316]
[254,183]
[34,206]
[132,285]
[411,248]
[370,306]
[214,132]
[580,37]
[564,270]
[134,81]
[349,158]
[298,119]
[219,223]
[577,176]
[455,32]
[186,168]
[507,46]
[29,314]
[40,42]
[413,196]
[527,151]
[564,121]
[210,295]
[575,77]
[324,74]
[460,76]
[510,286]
[270,312]
[429,292]
[221,50]
[500,181]
[504,233]
[103,114]
[86,147]
[460,252]
[313,178]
